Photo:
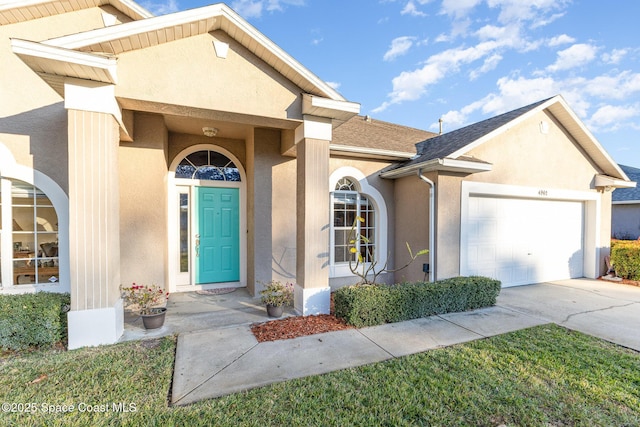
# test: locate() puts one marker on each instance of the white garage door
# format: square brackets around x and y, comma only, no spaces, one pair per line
[523,241]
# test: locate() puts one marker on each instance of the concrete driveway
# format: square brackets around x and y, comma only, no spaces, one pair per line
[596,307]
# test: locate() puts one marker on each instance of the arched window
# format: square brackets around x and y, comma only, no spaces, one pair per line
[207,165]
[348,204]
[33,234]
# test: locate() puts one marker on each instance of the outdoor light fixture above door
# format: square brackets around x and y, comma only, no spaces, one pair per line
[210,132]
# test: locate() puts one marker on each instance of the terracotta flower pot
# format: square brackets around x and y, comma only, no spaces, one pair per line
[274,310]
[154,320]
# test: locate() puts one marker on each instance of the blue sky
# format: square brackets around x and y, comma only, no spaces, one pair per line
[414,61]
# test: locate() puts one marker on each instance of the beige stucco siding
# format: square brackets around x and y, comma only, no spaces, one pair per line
[273,211]
[525,156]
[143,203]
[411,203]
[188,72]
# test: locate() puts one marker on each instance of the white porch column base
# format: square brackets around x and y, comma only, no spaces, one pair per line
[310,301]
[96,327]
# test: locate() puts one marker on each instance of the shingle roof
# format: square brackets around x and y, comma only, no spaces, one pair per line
[628,194]
[363,131]
[444,145]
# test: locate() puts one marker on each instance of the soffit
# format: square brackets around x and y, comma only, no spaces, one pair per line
[26,10]
[163,29]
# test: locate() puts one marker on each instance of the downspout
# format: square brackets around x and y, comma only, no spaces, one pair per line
[432,221]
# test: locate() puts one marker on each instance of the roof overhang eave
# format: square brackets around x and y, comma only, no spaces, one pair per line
[609,182]
[369,153]
[439,165]
[330,108]
[44,59]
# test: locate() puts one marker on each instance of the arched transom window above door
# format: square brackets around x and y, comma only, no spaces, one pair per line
[208,165]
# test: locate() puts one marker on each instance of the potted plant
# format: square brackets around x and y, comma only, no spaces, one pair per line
[276,295]
[147,300]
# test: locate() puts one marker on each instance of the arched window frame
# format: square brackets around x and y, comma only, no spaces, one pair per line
[10,170]
[381,218]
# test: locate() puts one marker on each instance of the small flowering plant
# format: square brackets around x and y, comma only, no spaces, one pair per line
[146,298]
[277,294]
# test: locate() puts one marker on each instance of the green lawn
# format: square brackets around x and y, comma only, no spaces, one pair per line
[541,376]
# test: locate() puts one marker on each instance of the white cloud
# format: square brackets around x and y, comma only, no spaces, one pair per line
[561,39]
[411,9]
[161,7]
[520,11]
[613,116]
[489,64]
[574,56]
[615,56]
[546,21]
[254,8]
[458,8]
[411,85]
[399,46]
[248,8]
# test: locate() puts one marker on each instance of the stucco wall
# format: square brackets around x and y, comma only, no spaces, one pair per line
[625,221]
[273,212]
[525,156]
[411,203]
[143,203]
[188,72]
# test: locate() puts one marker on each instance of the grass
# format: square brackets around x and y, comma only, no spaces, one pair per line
[540,376]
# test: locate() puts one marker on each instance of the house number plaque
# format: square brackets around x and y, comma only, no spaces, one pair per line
[543,193]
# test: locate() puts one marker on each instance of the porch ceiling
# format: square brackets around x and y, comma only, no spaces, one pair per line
[190,120]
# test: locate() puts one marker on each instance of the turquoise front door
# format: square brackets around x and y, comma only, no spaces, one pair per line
[218,240]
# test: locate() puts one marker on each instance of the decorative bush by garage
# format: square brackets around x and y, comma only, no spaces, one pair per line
[625,258]
[369,305]
[33,320]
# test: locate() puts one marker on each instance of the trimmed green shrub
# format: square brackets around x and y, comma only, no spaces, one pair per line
[33,320]
[369,305]
[625,257]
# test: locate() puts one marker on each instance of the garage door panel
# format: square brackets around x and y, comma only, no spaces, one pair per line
[522,241]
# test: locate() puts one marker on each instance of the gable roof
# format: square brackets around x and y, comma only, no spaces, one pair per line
[367,136]
[628,195]
[113,40]
[13,12]
[454,146]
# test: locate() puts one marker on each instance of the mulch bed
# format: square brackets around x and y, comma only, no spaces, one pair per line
[297,326]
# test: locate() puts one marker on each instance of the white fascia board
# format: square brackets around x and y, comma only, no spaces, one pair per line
[450,165]
[43,53]
[125,3]
[608,181]
[626,202]
[370,152]
[330,108]
[106,34]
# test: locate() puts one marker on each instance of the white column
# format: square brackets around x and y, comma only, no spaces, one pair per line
[96,315]
[312,291]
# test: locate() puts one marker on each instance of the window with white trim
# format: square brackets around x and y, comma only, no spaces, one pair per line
[33,234]
[348,204]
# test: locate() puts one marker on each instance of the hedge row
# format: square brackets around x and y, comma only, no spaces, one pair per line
[33,320]
[377,304]
[625,257]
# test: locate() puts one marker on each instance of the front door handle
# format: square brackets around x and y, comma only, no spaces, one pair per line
[197,245]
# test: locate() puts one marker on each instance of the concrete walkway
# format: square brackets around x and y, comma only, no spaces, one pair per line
[213,363]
